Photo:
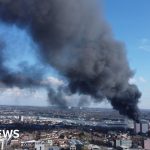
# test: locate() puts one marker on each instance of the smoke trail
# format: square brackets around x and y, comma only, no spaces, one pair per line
[75,39]
[57,97]
[28,76]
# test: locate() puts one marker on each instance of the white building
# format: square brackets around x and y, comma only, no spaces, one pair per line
[28,144]
[137,128]
[72,147]
[2,143]
[39,146]
[144,127]
[53,148]
[124,143]
[93,147]
[147,144]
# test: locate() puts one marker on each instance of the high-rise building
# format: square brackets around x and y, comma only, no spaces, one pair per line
[142,127]
[137,128]
[21,118]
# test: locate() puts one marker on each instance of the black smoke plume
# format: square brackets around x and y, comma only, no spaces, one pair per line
[75,39]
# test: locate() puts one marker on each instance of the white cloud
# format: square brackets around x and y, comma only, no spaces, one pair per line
[138,80]
[145,44]
[16,96]
[142,80]
[28,96]
[132,81]
[53,81]
[38,97]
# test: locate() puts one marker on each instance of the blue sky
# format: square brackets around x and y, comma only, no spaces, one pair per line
[129,20]
[130,23]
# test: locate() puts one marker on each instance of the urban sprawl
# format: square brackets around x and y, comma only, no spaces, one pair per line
[52,128]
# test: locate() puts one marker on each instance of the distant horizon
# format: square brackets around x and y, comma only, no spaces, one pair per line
[64,107]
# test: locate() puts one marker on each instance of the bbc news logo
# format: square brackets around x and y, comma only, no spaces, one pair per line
[8,134]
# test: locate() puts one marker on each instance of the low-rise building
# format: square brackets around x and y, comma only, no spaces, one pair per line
[93,147]
[75,144]
[124,143]
[147,144]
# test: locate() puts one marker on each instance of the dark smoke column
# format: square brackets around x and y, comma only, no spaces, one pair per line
[126,102]
[75,39]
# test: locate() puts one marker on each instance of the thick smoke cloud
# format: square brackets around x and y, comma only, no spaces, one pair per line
[75,39]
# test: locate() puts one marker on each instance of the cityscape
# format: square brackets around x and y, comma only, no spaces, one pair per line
[74,75]
[53,128]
